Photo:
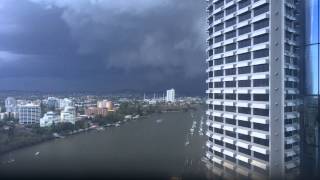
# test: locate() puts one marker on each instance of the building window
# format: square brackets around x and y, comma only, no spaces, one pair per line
[244,124]
[244,56]
[244,164]
[217,85]
[261,39]
[218,142]
[230,59]
[244,3]
[231,159]
[261,112]
[218,119]
[261,53]
[244,97]
[244,30]
[217,130]
[231,134]
[218,16]
[244,137]
[231,146]
[218,73]
[244,83]
[262,127]
[261,68]
[231,83]
[231,22]
[218,154]
[231,34]
[261,97]
[244,43]
[210,74]
[218,27]
[264,157]
[230,108]
[218,38]
[218,61]
[210,63]
[261,24]
[244,151]
[218,107]
[231,121]
[244,70]
[231,9]
[231,71]
[230,47]
[245,16]
[218,50]
[231,96]
[218,4]
[264,142]
[260,82]
[218,96]
[261,9]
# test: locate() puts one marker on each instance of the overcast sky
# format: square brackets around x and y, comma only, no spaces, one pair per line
[102,45]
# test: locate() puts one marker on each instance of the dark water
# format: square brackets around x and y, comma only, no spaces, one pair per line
[143,148]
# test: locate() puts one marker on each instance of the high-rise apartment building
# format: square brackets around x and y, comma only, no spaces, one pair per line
[29,114]
[171,93]
[10,104]
[253,87]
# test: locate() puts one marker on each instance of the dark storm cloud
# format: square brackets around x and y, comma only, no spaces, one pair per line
[107,44]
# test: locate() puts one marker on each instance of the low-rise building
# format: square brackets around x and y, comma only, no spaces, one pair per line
[94,111]
[68,115]
[49,118]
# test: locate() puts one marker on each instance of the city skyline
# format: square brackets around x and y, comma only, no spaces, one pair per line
[118,45]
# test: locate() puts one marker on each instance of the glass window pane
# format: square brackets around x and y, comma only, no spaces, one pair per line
[312,70]
[312,21]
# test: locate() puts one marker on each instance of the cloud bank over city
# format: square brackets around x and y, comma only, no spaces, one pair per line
[102,45]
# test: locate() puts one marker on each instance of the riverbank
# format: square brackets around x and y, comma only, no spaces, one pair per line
[17,137]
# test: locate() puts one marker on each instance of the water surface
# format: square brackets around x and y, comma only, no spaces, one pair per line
[155,146]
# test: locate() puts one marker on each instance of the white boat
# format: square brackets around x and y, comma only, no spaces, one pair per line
[192,130]
[117,125]
[159,121]
[37,153]
[187,143]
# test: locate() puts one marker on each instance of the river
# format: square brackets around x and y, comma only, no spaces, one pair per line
[150,147]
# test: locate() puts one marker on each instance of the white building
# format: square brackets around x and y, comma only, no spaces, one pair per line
[253,64]
[68,115]
[10,104]
[29,114]
[170,95]
[49,118]
[65,103]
